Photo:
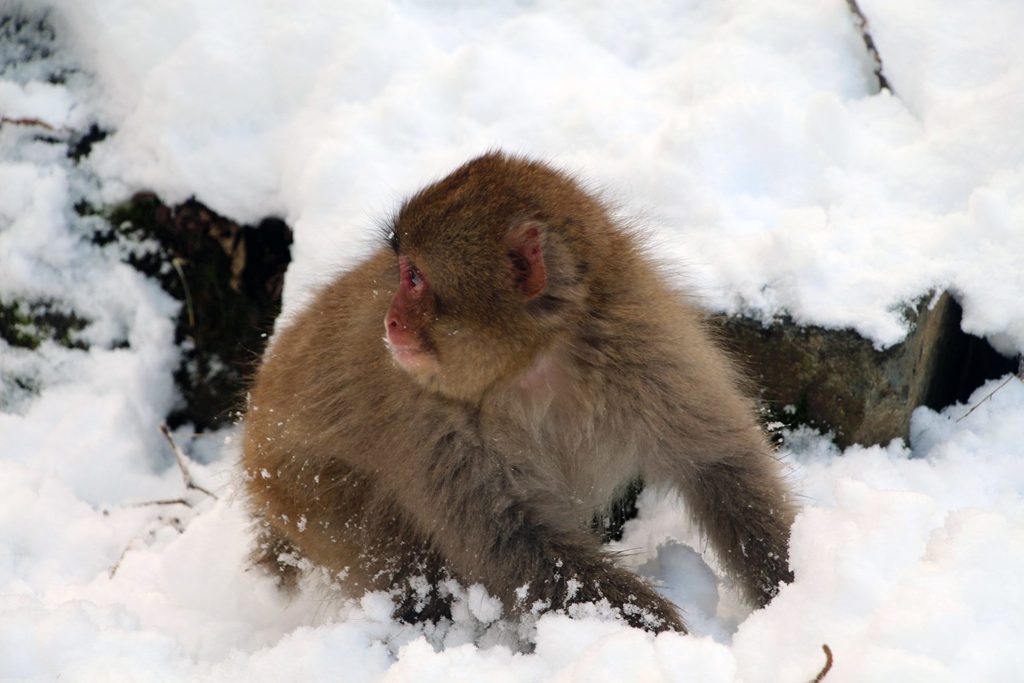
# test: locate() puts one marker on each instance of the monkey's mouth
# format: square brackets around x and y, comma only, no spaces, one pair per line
[411,357]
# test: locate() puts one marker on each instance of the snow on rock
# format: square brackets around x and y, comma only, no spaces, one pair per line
[746,135]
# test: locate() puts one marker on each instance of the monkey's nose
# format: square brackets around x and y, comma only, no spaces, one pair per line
[392,325]
[397,333]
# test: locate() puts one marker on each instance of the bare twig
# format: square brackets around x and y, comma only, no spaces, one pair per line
[117,565]
[28,122]
[1019,375]
[166,501]
[828,665]
[190,483]
[861,23]
[174,522]
[186,476]
[176,262]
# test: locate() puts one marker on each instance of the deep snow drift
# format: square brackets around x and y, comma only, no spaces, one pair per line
[748,136]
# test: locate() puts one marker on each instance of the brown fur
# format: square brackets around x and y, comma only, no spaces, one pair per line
[538,412]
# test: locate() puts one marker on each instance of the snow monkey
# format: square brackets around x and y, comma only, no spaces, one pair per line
[465,400]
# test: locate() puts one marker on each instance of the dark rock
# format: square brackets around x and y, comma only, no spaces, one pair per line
[837,380]
[228,278]
[80,145]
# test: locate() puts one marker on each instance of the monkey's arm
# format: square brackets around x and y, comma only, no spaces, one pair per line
[715,454]
[697,432]
[490,525]
[739,501]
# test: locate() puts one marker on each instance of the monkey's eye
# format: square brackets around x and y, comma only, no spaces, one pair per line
[411,275]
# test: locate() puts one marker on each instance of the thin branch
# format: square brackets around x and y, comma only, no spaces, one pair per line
[172,521]
[117,565]
[28,121]
[176,262]
[166,501]
[1019,375]
[186,476]
[828,665]
[861,22]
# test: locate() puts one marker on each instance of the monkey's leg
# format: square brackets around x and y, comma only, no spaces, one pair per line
[734,488]
[394,557]
[385,560]
[276,555]
[353,531]
[494,527]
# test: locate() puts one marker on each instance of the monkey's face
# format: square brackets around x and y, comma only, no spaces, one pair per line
[460,322]
[488,274]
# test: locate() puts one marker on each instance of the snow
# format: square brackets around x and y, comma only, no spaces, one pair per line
[746,136]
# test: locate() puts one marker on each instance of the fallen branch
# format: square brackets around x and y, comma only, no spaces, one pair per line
[29,121]
[117,565]
[828,665]
[189,482]
[1019,375]
[186,476]
[168,501]
[861,22]
[177,262]
[172,521]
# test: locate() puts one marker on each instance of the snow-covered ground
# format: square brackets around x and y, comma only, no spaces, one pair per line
[748,136]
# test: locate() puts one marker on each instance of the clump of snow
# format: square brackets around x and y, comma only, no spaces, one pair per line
[748,136]
[482,606]
[907,561]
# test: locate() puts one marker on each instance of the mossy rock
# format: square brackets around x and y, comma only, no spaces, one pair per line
[836,380]
[27,325]
[229,279]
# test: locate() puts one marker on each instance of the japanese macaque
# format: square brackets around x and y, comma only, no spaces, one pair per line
[462,404]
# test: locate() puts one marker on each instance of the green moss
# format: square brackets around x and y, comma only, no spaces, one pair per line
[28,325]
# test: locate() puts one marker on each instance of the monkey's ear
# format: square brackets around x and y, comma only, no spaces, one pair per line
[526,257]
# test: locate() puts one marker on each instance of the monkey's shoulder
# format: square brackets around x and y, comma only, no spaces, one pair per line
[329,359]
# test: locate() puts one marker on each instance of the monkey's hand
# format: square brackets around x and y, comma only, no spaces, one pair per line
[637,601]
[494,528]
[563,568]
